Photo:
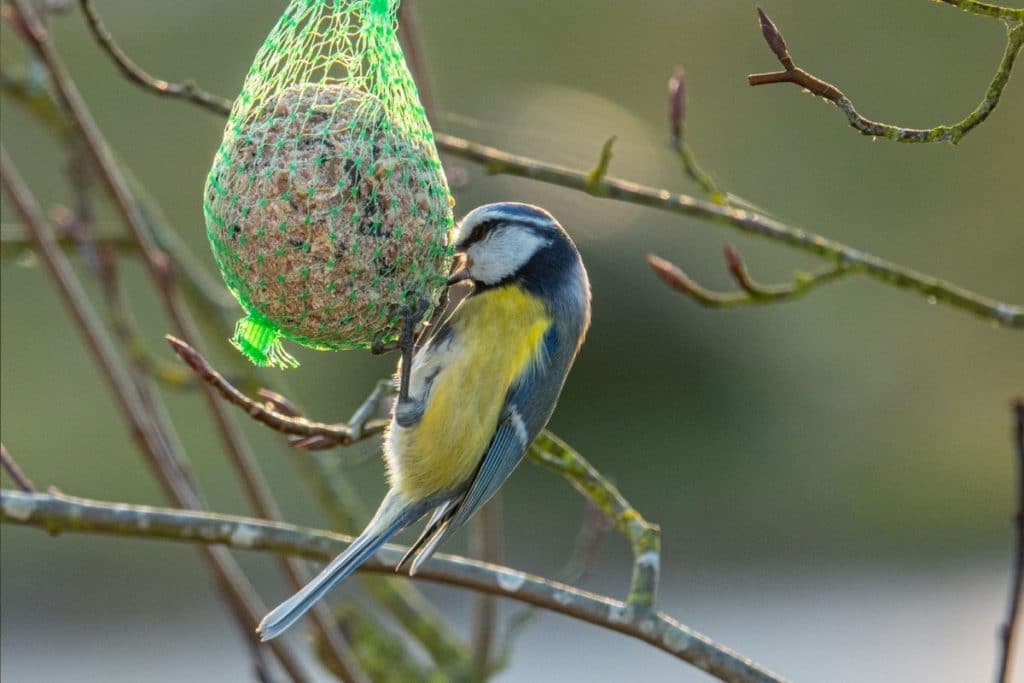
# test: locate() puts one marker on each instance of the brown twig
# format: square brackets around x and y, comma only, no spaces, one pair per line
[677,130]
[497,161]
[1008,632]
[55,512]
[751,292]
[946,133]
[161,271]
[15,472]
[165,464]
[486,544]
[547,450]
[186,90]
[277,413]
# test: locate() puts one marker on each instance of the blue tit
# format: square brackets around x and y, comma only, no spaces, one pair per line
[480,388]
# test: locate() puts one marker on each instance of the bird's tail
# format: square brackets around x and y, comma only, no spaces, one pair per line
[394,514]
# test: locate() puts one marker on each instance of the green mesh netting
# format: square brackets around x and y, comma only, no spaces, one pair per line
[326,207]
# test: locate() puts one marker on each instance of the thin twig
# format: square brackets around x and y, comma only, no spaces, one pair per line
[13,243]
[15,472]
[1008,632]
[597,174]
[677,130]
[55,512]
[643,536]
[986,9]
[486,544]
[280,414]
[161,271]
[241,597]
[944,133]
[185,90]
[751,292]
[327,435]
[546,450]
[496,161]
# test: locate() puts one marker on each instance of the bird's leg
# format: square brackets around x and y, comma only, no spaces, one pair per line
[378,347]
[407,343]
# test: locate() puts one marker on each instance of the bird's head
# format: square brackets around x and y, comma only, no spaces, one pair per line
[512,242]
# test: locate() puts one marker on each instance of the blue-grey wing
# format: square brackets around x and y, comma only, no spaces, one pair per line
[528,406]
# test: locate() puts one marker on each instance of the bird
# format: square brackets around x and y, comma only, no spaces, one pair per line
[480,388]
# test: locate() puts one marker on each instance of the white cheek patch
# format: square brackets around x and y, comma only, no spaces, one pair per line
[502,253]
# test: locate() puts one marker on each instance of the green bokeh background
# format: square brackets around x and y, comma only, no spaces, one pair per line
[859,432]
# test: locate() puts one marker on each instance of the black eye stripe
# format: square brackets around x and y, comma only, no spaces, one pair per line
[483,228]
[478,232]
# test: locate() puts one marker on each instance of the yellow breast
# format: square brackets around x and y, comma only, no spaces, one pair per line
[497,335]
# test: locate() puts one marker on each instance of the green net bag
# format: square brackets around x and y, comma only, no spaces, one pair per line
[326,206]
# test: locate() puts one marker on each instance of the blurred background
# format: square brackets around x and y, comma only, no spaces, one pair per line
[834,477]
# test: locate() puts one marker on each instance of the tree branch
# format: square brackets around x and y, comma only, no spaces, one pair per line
[1007,634]
[643,536]
[945,133]
[987,10]
[158,449]
[12,469]
[55,513]
[547,450]
[277,413]
[186,90]
[752,291]
[161,271]
[496,161]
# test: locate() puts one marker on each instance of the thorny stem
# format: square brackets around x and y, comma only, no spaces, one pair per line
[55,512]
[165,464]
[944,133]
[1008,632]
[496,161]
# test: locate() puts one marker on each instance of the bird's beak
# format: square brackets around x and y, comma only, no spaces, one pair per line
[461,271]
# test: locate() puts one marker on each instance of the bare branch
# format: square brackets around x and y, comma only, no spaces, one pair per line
[486,544]
[752,291]
[677,107]
[161,271]
[15,472]
[277,413]
[499,162]
[945,133]
[1008,632]
[157,448]
[55,512]
[496,161]
[986,9]
[186,90]
[644,537]
[547,450]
